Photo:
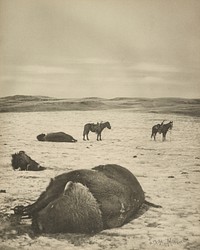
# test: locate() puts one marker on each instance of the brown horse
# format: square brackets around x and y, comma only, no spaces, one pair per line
[96,128]
[155,130]
[164,128]
[161,129]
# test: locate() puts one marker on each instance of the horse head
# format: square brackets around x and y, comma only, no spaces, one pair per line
[171,125]
[108,125]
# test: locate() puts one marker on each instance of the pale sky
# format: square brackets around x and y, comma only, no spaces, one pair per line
[103,48]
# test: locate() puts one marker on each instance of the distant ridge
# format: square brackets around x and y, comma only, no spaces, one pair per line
[28,103]
[25,98]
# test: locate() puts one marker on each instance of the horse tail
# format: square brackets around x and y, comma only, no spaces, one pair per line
[153,131]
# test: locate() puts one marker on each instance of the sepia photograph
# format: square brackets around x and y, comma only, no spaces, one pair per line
[100,124]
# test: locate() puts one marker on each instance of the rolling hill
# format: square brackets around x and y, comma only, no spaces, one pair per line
[25,103]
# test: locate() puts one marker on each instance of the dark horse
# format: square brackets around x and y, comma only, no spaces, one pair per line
[161,129]
[96,128]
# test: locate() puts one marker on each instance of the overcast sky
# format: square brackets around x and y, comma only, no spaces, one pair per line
[104,48]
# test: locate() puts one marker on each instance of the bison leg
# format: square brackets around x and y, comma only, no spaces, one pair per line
[53,191]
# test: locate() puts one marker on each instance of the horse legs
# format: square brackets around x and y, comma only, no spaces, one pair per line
[99,137]
[154,136]
[86,134]
[164,136]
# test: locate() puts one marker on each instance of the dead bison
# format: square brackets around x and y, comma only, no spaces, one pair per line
[22,161]
[86,201]
[76,210]
[56,137]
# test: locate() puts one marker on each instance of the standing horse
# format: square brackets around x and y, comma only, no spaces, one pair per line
[155,129]
[161,129]
[164,128]
[96,128]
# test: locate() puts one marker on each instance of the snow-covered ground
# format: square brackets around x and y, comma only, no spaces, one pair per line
[169,173]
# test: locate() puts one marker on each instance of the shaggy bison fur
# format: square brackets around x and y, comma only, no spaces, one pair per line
[86,201]
[22,161]
[75,211]
[56,137]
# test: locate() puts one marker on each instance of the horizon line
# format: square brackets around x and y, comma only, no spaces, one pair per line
[98,97]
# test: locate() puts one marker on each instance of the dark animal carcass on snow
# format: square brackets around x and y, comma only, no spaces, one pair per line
[22,161]
[86,201]
[56,137]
